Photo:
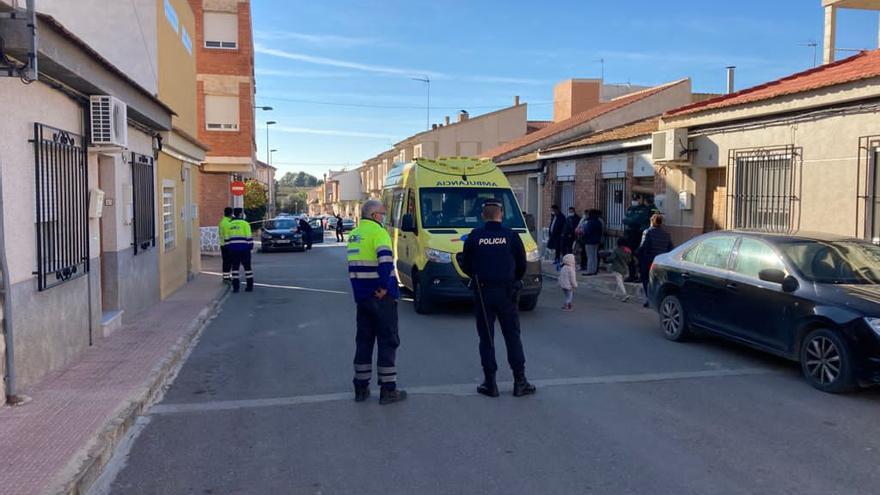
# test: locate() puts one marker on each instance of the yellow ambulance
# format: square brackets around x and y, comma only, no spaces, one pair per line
[432,205]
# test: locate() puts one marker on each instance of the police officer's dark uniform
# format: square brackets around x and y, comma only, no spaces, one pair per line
[495,259]
[306,231]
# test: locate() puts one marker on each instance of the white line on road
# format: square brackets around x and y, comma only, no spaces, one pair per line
[288,287]
[462,390]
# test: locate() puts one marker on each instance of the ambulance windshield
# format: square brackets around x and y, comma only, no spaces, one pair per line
[460,208]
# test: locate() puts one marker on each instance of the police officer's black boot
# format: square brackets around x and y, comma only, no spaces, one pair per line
[236,284]
[488,388]
[249,286]
[521,386]
[361,393]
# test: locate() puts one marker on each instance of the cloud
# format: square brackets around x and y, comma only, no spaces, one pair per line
[326,40]
[332,62]
[332,132]
[381,69]
[303,74]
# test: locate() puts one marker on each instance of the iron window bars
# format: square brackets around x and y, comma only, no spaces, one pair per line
[144,199]
[868,192]
[61,206]
[765,188]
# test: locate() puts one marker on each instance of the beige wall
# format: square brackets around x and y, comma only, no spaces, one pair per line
[830,148]
[470,137]
[177,66]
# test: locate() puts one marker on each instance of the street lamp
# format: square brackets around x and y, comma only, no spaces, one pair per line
[427,80]
[268,123]
[270,156]
[268,109]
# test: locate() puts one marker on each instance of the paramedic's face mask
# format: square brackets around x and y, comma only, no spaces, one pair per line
[379,216]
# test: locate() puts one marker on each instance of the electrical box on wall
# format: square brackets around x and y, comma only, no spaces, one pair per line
[96,203]
[685,201]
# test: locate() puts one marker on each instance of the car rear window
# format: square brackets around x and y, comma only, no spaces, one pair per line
[713,252]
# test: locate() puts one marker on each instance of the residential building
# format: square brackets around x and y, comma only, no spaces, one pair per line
[346,196]
[83,216]
[539,182]
[797,153]
[225,97]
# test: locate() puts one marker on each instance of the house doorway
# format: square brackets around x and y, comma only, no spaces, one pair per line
[716,199]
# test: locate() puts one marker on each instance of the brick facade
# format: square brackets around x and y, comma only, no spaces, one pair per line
[215,195]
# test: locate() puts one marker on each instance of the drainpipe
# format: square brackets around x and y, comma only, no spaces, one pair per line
[11,394]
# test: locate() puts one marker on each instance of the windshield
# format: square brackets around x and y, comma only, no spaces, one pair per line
[281,224]
[460,208]
[838,262]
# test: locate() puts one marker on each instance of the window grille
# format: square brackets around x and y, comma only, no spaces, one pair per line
[765,188]
[144,199]
[61,206]
[168,223]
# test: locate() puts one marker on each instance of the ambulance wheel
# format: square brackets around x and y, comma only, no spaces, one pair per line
[422,305]
[528,303]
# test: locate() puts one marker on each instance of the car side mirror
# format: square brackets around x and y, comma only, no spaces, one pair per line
[772,275]
[790,284]
[408,223]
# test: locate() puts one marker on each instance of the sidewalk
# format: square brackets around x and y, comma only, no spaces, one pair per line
[603,282]
[59,442]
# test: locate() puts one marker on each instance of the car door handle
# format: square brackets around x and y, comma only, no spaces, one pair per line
[732,285]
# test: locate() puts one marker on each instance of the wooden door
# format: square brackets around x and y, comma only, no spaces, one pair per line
[716,199]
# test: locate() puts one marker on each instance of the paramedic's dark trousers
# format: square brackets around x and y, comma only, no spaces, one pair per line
[239,258]
[500,303]
[227,264]
[376,325]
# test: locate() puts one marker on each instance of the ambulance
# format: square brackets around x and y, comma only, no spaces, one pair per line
[432,205]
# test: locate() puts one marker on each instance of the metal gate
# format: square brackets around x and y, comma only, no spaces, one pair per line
[611,201]
[764,189]
[564,195]
[144,199]
[868,192]
[61,206]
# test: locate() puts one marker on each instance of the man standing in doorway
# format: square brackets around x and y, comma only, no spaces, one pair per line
[224,252]
[554,240]
[495,259]
[371,271]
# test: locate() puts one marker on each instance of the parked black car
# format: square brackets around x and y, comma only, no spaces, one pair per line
[280,233]
[810,298]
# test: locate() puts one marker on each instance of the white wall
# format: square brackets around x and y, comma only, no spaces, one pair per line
[122,31]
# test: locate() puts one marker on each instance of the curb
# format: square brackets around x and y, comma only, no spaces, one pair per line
[87,466]
[609,288]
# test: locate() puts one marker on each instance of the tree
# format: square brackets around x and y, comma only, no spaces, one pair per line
[295,202]
[287,179]
[255,199]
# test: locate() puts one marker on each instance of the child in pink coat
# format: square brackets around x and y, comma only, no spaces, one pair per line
[568,280]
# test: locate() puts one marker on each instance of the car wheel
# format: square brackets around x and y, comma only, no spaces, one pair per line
[673,319]
[420,301]
[528,303]
[826,362]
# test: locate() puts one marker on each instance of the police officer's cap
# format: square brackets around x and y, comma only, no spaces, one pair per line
[493,202]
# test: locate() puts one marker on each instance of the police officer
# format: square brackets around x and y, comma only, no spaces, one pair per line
[221,234]
[239,242]
[306,230]
[495,259]
[371,271]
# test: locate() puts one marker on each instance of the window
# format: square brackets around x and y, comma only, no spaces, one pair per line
[171,15]
[221,30]
[462,208]
[714,252]
[169,226]
[753,256]
[838,262]
[144,202]
[764,192]
[186,40]
[221,113]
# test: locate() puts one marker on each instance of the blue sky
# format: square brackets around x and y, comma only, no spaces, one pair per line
[339,73]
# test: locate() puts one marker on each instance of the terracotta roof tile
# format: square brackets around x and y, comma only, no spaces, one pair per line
[629,131]
[527,158]
[576,120]
[865,65]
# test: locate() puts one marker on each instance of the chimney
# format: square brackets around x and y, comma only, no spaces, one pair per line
[730,70]
[516,101]
[446,120]
[462,115]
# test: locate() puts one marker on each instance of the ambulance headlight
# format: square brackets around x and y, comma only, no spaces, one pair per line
[533,255]
[438,256]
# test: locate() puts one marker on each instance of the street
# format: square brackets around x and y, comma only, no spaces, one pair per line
[263,405]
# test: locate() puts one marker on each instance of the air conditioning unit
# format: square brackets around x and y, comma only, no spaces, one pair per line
[109,117]
[670,145]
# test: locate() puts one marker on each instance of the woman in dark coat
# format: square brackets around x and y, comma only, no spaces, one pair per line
[557,226]
[655,241]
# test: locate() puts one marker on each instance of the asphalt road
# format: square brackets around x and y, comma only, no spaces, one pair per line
[264,406]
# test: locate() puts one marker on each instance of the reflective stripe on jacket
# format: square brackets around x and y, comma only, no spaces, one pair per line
[371,261]
[238,237]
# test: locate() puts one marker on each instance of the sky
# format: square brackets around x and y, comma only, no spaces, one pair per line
[341,74]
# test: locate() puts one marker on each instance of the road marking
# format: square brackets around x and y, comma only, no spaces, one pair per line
[288,287]
[461,390]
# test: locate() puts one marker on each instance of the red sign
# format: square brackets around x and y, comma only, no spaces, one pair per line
[237,188]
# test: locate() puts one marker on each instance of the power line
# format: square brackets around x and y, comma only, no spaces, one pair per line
[368,105]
